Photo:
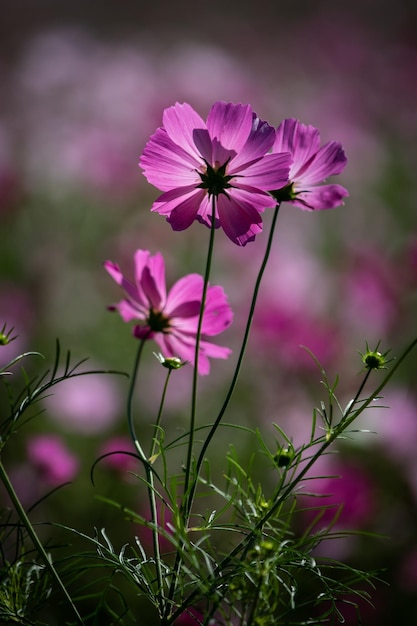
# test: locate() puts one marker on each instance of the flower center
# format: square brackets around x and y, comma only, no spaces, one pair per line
[158,322]
[215,179]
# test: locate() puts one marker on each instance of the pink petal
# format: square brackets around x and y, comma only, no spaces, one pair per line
[130,289]
[185,212]
[321,197]
[217,314]
[180,122]
[230,124]
[214,351]
[260,140]
[329,160]
[268,173]
[130,310]
[169,200]
[239,219]
[206,210]
[185,290]
[143,332]
[152,279]
[301,141]
[251,197]
[166,165]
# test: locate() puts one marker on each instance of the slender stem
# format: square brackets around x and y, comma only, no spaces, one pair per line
[149,473]
[347,419]
[189,500]
[158,419]
[188,497]
[130,394]
[36,541]
[229,394]
[241,353]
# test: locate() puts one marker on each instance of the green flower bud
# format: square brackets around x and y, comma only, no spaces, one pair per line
[171,363]
[5,337]
[284,456]
[374,360]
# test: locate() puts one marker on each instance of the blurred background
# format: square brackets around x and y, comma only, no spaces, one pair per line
[83,86]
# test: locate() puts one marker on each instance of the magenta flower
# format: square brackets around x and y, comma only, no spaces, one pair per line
[171,319]
[55,463]
[193,162]
[311,166]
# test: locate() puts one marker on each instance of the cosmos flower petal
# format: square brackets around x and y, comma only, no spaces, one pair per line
[217,314]
[181,122]
[172,320]
[301,141]
[148,293]
[129,311]
[269,172]
[185,212]
[169,200]
[130,288]
[321,197]
[230,124]
[156,265]
[240,220]
[166,164]
[186,289]
[329,160]
[260,140]
[311,166]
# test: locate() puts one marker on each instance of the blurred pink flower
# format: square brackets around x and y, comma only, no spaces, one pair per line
[373,289]
[117,459]
[346,486]
[52,459]
[286,334]
[171,319]
[87,404]
[192,161]
[311,166]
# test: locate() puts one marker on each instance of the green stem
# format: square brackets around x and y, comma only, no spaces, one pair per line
[189,500]
[229,394]
[347,419]
[159,416]
[188,497]
[36,541]
[130,394]
[241,353]
[149,473]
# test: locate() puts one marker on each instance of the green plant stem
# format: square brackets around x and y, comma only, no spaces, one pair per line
[187,500]
[159,416]
[231,389]
[349,416]
[149,473]
[347,419]
[36,541]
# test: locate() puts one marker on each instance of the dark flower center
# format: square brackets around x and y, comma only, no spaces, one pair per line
[158,322]
[285,194]
[215,179]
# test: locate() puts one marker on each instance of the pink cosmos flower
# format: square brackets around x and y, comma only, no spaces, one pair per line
[171,319]
[118,451]
[88,404]
[193,161]
[311,166]
[55,463]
